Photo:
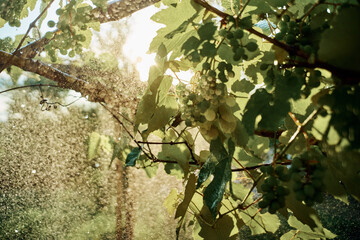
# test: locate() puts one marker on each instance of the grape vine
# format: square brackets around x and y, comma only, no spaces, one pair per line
[273,103]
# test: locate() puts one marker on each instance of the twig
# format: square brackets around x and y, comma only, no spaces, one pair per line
[29,86]
[258,166]
[247,171]
[298,131]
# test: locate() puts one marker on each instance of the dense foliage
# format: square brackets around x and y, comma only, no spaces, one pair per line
[267,125]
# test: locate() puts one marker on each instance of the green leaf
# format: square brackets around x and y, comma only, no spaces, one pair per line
[191,44]
[206,170]
[304,232]
[182,28]
[240,135]
[162,52]
[242,86]
[171,201]
[207,31]
[214,192]
[189,193]
[156,107]
[208,50]
[177,152]
[245,22]
[221,230]
[277,3]
[132,157]
[93,145]
[259,223]
[339,45]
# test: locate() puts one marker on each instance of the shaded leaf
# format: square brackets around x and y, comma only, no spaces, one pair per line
[170,201]
[189,192]
[132,157]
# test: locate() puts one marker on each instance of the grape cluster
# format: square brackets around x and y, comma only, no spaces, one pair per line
[273,192]
[207,103]
[307,174]
[69,38]
[11,10]
[234,37]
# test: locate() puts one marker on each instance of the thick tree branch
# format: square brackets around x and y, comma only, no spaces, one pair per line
[96,92]
[120,9]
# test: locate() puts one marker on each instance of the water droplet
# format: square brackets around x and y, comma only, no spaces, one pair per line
[33,171]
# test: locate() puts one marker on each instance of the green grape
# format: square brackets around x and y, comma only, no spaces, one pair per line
[222,77]
[283,26]
[263,169]
[264,66]
[188,123]
[239,33]
[223,32]
[59,11]
[293,24]
[234,43]
[290,39]
[263,204]
[269,170]
[51,23]
[210,114]
[285,177]
[282,191]
[72,53]
[306,30]
[53,58]
[49,35]
[206,66]
[279,170]
[212,74]
[296,163]
[269,196]
[251,46]
[231,74]
[266,187]
[221,66]
[271,180]
[286,18]
[63,51]
[280,36]
[274,206]
[229,35]
[236,57]
[229,67]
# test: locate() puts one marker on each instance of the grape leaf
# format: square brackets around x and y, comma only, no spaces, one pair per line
[221,230]
[339,44]
[207,31]
[242,86]
[214,192]
[206,170]
[170,201]
[132,157]
[189,192]
[191,44]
